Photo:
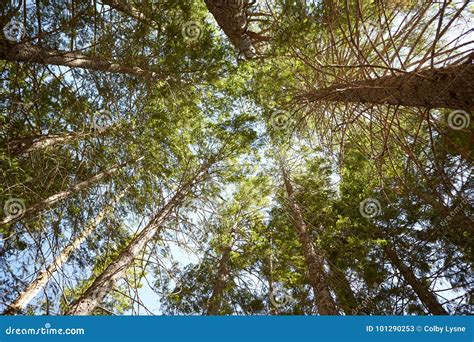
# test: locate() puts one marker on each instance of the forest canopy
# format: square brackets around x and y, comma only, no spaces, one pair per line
[236,157]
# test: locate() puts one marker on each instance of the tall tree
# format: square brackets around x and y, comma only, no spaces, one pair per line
[44,277]
[314,258]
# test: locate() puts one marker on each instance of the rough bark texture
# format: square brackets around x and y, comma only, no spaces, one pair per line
[220,283]
[424,294]
[449,87]
[47,202]
[232,19]
[105,282]
[313,257]
[25,52]
[43,278]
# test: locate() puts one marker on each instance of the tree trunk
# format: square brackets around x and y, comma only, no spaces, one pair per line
[220,283]
[43,204]
[105,282]
[271,289]
[43,278]
[449,87]
[424,294]
[232,19]
[25,52]
[313,256]
[31,144]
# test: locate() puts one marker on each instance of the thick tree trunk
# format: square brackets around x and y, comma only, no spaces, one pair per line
[313,257]
[232,18]
[31,144]
[25,52]
[47,202]
[105,282]
[43,278]
[220,283]
[424,294]
[449,87]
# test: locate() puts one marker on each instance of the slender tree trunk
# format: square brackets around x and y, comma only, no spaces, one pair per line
[424,294]
[313,256]
[31,144]
[220,283]
[449,87]
[271,289]
[43,278]
[26,52]
[47,202]
[102,285]
[105,282]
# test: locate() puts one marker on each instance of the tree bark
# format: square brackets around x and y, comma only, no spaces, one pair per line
[43,278]
[232,19]
[450,87]
[424,294]
[220,283]
[47,202]
[30,144]
[105,282]
[26,52]
[313,257]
